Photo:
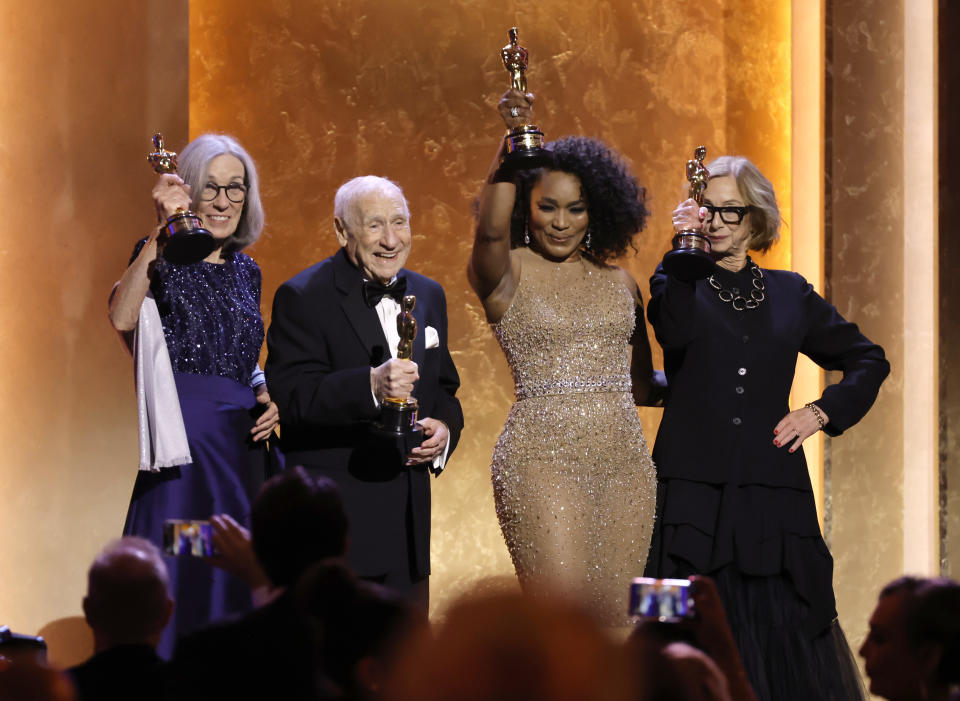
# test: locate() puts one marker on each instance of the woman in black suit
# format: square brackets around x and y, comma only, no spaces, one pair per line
[734,499]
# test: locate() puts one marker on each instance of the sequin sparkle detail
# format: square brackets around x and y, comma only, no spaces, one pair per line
[574,485]
[211,315]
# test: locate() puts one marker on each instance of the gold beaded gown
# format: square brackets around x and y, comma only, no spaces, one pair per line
[573,481]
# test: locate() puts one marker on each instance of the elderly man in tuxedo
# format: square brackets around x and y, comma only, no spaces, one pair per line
[332,360]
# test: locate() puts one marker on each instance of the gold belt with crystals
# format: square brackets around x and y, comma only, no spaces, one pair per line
[574,385]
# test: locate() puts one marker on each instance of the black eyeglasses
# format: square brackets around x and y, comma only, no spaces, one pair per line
[728,215]
[236,192]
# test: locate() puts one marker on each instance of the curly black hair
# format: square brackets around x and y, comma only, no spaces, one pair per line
[615,203]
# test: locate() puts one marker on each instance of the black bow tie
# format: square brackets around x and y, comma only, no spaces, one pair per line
[374,291]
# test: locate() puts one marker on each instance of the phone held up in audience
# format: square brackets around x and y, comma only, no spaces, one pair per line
[664,600]
[184,537]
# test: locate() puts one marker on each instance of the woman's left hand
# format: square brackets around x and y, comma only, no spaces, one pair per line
[796,427]
[268,420]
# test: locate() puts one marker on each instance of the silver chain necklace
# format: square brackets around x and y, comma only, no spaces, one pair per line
[739,302]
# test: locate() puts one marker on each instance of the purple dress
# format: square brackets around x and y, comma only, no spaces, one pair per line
[213,328]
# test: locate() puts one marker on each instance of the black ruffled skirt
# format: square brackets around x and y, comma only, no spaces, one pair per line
[762,545]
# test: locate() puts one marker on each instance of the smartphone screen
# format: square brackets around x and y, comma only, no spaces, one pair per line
[666,600]
[183,537]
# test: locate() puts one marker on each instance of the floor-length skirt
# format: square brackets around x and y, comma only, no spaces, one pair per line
[226,472]
[762,546]
[574,488]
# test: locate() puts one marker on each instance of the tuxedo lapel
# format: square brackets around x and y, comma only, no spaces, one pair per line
[363,319]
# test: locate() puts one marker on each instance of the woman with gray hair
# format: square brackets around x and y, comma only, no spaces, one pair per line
[734,499]
[195,331]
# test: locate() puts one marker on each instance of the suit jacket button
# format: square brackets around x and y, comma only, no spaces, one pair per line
[737,421]
[742,372]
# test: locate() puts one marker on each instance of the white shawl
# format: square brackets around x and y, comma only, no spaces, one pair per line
[163,438]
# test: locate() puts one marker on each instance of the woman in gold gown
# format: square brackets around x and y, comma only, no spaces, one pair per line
[573,480]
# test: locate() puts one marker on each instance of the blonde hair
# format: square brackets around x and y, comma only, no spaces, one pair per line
[758,193]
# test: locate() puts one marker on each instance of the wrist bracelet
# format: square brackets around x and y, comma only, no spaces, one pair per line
[816,412]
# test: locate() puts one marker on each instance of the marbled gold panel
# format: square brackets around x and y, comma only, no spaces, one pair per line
[82,88]
[865,126]
[949,70]
[323,91]
[757,72]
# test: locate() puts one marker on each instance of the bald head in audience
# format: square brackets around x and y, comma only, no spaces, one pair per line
[127,599]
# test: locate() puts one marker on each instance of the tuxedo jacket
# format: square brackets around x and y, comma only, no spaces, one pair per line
[322,342]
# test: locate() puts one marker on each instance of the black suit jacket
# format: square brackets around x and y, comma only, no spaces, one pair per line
[322,342]
[730,375]
[119,673]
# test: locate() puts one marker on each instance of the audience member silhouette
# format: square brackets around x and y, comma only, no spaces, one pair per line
[694,659]
[27,680]
[666,666]
[508,647]
[127,607]
[359,628]
[912,651]
[296,521]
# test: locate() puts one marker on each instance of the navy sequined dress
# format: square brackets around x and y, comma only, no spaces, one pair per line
[213,328]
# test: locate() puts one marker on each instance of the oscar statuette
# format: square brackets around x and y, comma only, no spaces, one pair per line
[524,144]
[690,258]
[398,415]
[189,242]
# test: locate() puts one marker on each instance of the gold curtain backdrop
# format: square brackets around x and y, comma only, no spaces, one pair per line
[82,88]
[322,92]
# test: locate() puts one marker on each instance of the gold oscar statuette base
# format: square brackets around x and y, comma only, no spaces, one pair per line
[398,417]
[189,242]
[525,149]
[690,258]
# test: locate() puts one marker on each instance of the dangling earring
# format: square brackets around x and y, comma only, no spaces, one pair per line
[587,242]
[526,234]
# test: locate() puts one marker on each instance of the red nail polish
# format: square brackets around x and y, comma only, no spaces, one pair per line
[776,431]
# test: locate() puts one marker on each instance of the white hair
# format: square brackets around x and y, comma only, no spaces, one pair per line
[352,190]
[193,165]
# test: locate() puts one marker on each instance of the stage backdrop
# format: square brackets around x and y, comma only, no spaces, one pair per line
[82,88]
[322,92]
